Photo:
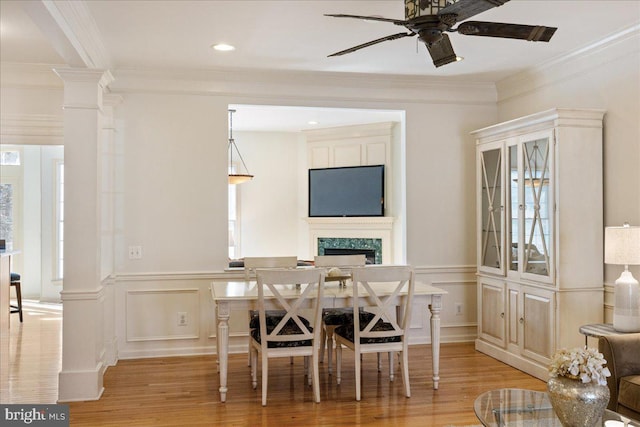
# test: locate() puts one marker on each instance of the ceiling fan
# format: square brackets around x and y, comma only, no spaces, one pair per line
[431,19]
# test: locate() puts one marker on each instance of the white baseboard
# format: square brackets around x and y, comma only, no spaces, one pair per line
[74,386]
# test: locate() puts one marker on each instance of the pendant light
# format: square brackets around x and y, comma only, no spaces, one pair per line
[236,178]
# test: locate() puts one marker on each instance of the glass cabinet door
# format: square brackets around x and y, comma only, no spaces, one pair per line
[513,216]
[536,208]
[491,206]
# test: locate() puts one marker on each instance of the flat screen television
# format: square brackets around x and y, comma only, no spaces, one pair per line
[346,191]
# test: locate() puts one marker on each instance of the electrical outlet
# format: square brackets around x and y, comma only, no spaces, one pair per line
[135,252]
[459,310]
[183,320]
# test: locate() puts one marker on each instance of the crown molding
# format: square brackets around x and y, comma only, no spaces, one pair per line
[303,85]
[32,129]
[347,132]
[601,53]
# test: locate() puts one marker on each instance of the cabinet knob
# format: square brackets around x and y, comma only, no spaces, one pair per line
[521,320]
[502,315]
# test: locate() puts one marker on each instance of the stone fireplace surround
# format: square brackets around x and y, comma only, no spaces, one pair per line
[350,232]
[371,248]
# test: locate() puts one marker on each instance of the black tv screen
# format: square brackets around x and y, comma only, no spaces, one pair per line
[346,191]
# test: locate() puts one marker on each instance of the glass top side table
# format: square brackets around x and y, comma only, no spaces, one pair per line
[518,407]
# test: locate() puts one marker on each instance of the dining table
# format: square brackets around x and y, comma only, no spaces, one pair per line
[233,295]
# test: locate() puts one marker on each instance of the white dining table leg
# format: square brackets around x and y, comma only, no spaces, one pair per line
[435,307]
[223,346]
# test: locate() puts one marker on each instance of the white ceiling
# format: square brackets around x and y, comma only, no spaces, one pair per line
[295,36]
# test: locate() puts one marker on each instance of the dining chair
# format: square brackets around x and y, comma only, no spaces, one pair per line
[252,263]
[288,334]
[15,283]
[250,266]
[334,317]
[379,290]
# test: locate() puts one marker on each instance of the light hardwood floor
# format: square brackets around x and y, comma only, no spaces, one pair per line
[182,391]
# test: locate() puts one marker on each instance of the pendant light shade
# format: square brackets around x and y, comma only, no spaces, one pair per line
[236,178]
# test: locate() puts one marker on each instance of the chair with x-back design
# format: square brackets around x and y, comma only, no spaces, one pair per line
[250,266]
[289,334]
[334,317]
[379,290]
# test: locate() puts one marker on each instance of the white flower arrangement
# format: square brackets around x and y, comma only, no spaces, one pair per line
[585,364]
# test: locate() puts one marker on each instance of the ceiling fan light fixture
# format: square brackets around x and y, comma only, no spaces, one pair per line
[430,20]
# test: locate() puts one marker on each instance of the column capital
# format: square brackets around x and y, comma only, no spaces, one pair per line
[112,100]
[84,88]
[83,75]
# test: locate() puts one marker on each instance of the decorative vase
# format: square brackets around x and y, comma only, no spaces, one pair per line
[577,404]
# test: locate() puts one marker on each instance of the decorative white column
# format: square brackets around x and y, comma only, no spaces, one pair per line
[83,347]
[111,161]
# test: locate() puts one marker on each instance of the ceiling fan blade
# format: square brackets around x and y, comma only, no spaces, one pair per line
[366,18]
[371,43]
[442,51]
[465,9]
[535,33]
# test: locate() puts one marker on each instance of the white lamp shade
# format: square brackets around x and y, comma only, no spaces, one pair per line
[622,245]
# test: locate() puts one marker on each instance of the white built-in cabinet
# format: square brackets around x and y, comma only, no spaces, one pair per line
[539,235]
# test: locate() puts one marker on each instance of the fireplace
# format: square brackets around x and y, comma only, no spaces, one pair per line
[370,254]
[353,234]
[370,247]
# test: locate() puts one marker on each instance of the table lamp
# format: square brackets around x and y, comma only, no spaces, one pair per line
[622,247]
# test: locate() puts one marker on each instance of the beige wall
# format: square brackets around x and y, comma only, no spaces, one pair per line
[269,203]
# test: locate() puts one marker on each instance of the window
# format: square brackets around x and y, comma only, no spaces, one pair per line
[59,219]
[10,178]
[6,213]
[9,158]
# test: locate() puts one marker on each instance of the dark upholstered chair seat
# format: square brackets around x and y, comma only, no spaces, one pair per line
[273,318]
[15,277]
[255,334]
[343,316]
[347,331]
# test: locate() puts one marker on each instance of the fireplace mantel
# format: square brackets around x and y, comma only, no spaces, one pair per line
[378,227]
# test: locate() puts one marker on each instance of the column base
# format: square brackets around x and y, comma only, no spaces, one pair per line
[80,385]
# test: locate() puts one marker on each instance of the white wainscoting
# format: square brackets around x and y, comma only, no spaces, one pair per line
[154,314]
[609,302]
[460,284]
[146,311]
[146,307]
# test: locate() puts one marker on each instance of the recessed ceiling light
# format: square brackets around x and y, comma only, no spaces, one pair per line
[459,58]
[312,122]
[223,47]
